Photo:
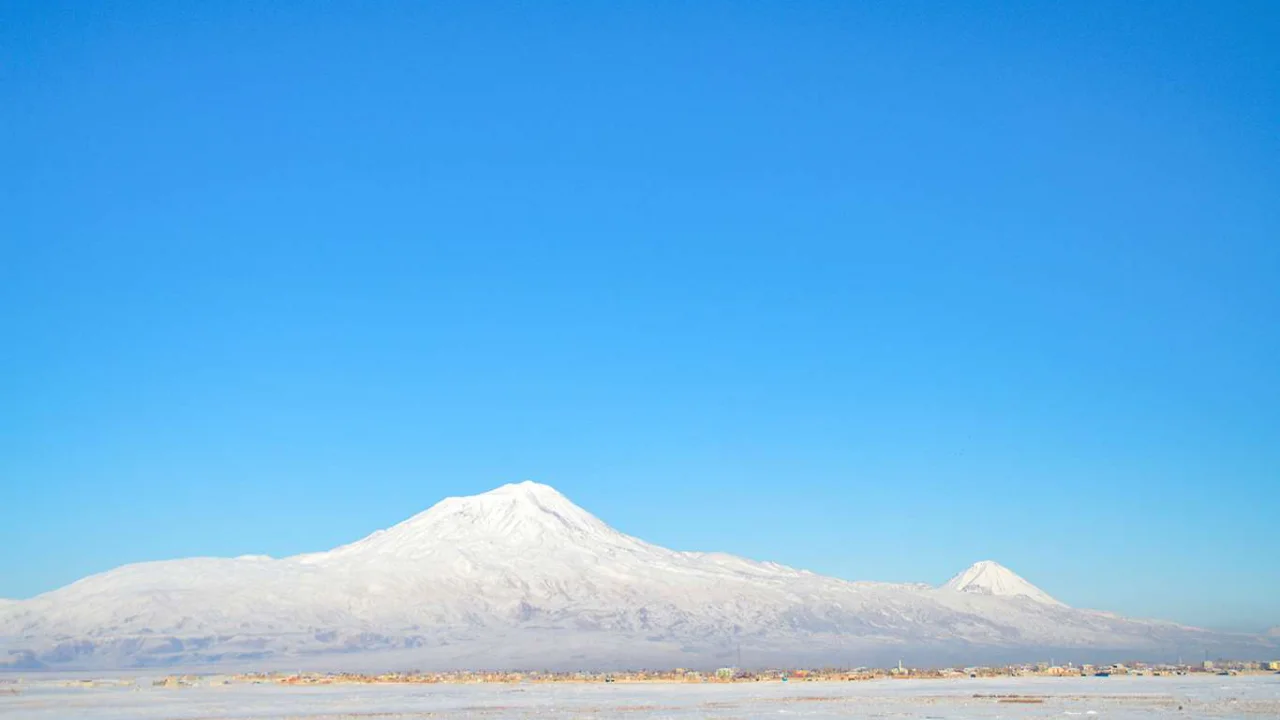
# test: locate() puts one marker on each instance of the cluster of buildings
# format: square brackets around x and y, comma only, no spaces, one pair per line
[684,675]
[1237,666]
[731,674]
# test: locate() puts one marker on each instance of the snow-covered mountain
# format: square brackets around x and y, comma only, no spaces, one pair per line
[520,576]
[988,577]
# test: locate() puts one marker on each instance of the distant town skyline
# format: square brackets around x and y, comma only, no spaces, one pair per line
[875,291]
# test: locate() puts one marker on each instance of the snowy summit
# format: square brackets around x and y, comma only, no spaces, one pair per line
[991,578]
[519,514]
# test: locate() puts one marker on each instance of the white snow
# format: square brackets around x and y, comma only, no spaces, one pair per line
[1116,698]
[988,577]
[522,577]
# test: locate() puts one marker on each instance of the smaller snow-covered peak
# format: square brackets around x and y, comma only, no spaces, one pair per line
[988,577]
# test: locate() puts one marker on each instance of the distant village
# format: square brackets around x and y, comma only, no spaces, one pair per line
[731,675]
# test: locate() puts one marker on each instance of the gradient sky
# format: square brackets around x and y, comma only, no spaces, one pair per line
[874,289]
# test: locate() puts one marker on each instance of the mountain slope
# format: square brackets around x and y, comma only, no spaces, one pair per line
[522,576]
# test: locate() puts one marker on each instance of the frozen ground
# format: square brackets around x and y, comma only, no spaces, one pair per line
[1085,698]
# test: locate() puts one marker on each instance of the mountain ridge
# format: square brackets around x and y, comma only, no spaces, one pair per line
[521,572]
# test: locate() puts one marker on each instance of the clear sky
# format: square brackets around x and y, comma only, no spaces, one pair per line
[874,289]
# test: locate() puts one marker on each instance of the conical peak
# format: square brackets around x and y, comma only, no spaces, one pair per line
[527,498]
[524,514]
[988,577]
[508,509]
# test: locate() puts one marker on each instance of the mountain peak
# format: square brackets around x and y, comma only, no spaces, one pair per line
[515,502]
[526,489]
[988,577]
[525,515]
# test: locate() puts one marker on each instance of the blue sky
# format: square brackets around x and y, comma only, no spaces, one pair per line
[875,289]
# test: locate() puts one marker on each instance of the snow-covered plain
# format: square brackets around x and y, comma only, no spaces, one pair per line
[1125,698]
